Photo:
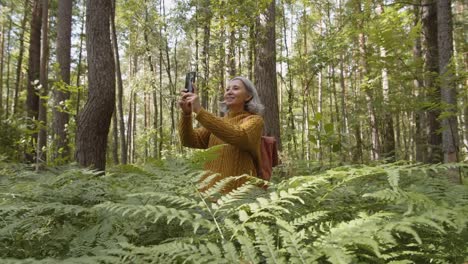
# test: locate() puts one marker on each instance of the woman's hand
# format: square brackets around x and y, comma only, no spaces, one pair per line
[183,104]
[190,101]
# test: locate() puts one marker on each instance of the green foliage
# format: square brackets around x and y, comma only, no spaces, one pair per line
[10,139]
[153,213]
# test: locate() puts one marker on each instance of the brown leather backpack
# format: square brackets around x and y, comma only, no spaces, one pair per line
[268,157]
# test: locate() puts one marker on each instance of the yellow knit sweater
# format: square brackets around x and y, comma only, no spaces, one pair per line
[241,136]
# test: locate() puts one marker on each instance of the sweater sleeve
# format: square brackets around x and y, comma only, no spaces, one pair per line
[245,136]
[193,138]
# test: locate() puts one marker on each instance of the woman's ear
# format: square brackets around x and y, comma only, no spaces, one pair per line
[248,99]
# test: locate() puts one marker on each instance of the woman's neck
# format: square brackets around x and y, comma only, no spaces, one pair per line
[236,109]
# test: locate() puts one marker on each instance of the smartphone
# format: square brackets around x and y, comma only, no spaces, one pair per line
[189,80]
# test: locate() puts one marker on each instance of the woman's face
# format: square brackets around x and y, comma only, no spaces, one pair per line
[236,95]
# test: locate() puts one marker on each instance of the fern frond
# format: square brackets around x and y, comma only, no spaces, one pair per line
[154,213]
[309,218]
[265,242]
[178,201]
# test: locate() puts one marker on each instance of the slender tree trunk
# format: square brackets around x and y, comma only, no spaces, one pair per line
[429,30]
[375,151]
[153,88]
[115,141]
[2,41]
[161,123]
[134,129]
[357,152]
[388,136]
[206,20]
[251,53]
[450,140]
[20,57]
[42,137]
[420,117]
[344,116]
[8,44]
[130,127]
[232,53]
[32,100]
[120,113]
[94,120]
[80,54]
[62,93]
[319,115]
[291,129]
[221,67]
[265,70]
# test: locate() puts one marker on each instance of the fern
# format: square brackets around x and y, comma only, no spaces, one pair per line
[152,213]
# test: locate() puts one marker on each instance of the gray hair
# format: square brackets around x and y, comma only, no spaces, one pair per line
[254,105]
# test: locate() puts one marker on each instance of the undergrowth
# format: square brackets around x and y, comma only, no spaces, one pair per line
[153,213]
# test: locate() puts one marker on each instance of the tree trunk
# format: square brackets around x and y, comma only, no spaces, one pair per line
[134,129]
[232,53]
[319,115]
[78,67]
[130,126]
[368,91]
[251,53]
[94,120]
[388,137]
[42,137]
[8,53]
[265,70]
[450,139]
[161,130]
[62,93]
[121,121]
[115,141]
[32,100]
[206,20]
[2,40]
[420,117]
[429,30]
[291,129]
[344,115]
[20,58]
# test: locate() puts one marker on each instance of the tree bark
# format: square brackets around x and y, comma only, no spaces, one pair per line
[450,141]
[161,122]
[232,53]
[121,121]
[32,100]
[20,57]
[429,29]
[2,40]
[94,120]
[265,70]
[41,156]
[115,141]
[8,53]
[62,93]
[78,67]
[206,21]
[130,127]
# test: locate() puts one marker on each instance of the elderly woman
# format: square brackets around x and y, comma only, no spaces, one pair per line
[240,130]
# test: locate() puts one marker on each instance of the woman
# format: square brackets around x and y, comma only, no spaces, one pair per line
[240,130]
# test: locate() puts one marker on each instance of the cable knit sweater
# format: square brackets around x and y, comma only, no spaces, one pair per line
[241,136]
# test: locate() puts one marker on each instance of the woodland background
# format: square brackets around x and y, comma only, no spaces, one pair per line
[367,98]
[343,81]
